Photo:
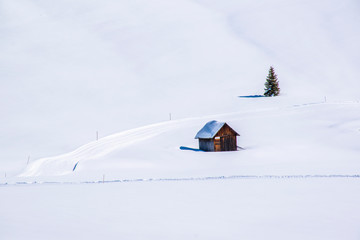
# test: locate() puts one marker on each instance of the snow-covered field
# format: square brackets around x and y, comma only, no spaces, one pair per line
[228,209]
[298,178]
[120,68]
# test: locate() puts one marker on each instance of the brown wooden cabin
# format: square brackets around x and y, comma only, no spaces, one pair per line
[217,136]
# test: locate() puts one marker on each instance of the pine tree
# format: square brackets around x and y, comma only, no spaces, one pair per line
[271,84]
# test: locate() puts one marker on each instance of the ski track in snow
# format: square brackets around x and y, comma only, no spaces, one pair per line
[99,148]
[213,178]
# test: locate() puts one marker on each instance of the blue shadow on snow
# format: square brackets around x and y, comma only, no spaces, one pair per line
[75,166]
[252,96]
[191,149]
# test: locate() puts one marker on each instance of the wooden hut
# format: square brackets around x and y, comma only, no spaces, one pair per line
[217,136]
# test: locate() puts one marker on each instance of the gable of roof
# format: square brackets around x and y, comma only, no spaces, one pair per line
[210,129]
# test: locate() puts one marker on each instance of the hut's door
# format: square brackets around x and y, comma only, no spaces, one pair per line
[225,143]
[217,145]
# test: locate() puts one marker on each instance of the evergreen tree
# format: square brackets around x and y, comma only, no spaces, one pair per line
[271,84]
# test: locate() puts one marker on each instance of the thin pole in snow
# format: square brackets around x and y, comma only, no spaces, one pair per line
[103,178]
[28,160]
[325,98]
[170,116]
[97,135]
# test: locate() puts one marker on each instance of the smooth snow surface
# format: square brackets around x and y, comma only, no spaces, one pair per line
[97,97]
[232,209]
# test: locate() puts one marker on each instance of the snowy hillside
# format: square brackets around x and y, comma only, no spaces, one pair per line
[72,69]
[278,139]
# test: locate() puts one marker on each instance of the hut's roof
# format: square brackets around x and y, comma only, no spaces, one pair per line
[210,129]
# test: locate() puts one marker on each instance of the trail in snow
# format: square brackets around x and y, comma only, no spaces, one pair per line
[234,177]
[98,149]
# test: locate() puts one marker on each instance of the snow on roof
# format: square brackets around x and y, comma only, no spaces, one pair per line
[210,129]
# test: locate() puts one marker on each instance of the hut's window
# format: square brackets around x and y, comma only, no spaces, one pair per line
[217,138]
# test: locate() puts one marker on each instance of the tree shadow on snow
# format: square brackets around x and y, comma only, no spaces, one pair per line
[252,96]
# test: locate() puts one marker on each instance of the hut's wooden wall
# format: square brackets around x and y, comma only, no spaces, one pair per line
[227,139]
[228,143]
[206,145]
[224,140]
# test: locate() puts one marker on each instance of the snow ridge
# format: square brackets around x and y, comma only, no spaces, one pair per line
[64,164]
